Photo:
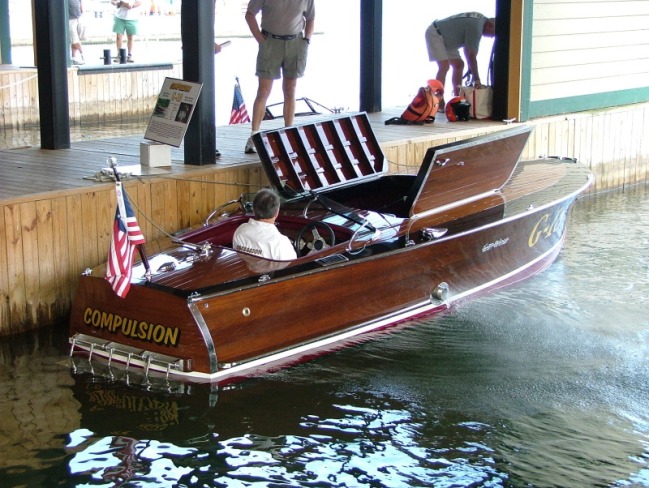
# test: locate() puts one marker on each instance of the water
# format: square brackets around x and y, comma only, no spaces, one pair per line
[542,384]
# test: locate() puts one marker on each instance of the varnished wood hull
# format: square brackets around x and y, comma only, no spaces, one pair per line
[223,315]
[226,334]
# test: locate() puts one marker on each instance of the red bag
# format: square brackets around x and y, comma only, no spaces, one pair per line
[423,107]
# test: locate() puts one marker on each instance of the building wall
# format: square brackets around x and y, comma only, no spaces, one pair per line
[584,54]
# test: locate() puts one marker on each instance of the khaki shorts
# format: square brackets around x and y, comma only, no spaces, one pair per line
[277,58]
[437,50]
[77,31]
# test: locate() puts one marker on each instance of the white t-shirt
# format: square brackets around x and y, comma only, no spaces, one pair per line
[264,240]
[128,13]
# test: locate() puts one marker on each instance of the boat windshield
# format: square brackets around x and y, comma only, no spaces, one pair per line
[340,210]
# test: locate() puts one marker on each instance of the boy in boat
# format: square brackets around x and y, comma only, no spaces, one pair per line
[259,236]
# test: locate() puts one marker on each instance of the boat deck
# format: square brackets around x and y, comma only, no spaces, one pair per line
[27,172]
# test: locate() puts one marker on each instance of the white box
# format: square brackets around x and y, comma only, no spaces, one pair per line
[154,154]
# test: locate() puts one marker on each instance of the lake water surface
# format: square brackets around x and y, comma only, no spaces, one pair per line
[542,384]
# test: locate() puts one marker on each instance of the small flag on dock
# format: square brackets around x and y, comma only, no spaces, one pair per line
[239,114]
[126,236]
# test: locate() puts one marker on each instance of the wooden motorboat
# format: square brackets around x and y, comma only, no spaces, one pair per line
[374,249]
[304,107]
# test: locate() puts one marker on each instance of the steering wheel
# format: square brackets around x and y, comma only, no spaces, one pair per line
[318,243]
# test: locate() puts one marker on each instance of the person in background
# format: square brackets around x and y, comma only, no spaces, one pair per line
[77,30]
[154,8]
[126,21]
[284,35]
[259,236]
[445,37]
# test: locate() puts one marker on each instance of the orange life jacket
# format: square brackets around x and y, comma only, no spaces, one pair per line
[425,105]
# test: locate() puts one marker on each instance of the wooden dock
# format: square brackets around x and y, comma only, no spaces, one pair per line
[57,216]
[29,171]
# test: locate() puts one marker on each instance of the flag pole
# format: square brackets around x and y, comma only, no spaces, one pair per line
[140,247]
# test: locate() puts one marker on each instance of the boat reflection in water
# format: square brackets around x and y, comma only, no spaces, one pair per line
[308,434]
[373,249]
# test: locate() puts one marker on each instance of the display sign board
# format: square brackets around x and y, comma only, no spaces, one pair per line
[173,111]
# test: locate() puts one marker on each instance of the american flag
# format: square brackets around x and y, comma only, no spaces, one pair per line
[126,236]
[239,114]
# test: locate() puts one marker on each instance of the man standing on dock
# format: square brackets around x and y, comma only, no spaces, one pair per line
[77,30]
[284,36]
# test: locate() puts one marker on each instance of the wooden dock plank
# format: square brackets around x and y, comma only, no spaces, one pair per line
[45,257]
[62,277]
[4,270]
[16,287]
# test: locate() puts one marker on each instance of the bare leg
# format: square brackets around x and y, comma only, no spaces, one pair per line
[76,50]
[129,43]
[458,67]
[288,86]
[442,70]
[259,106]
[118,42]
